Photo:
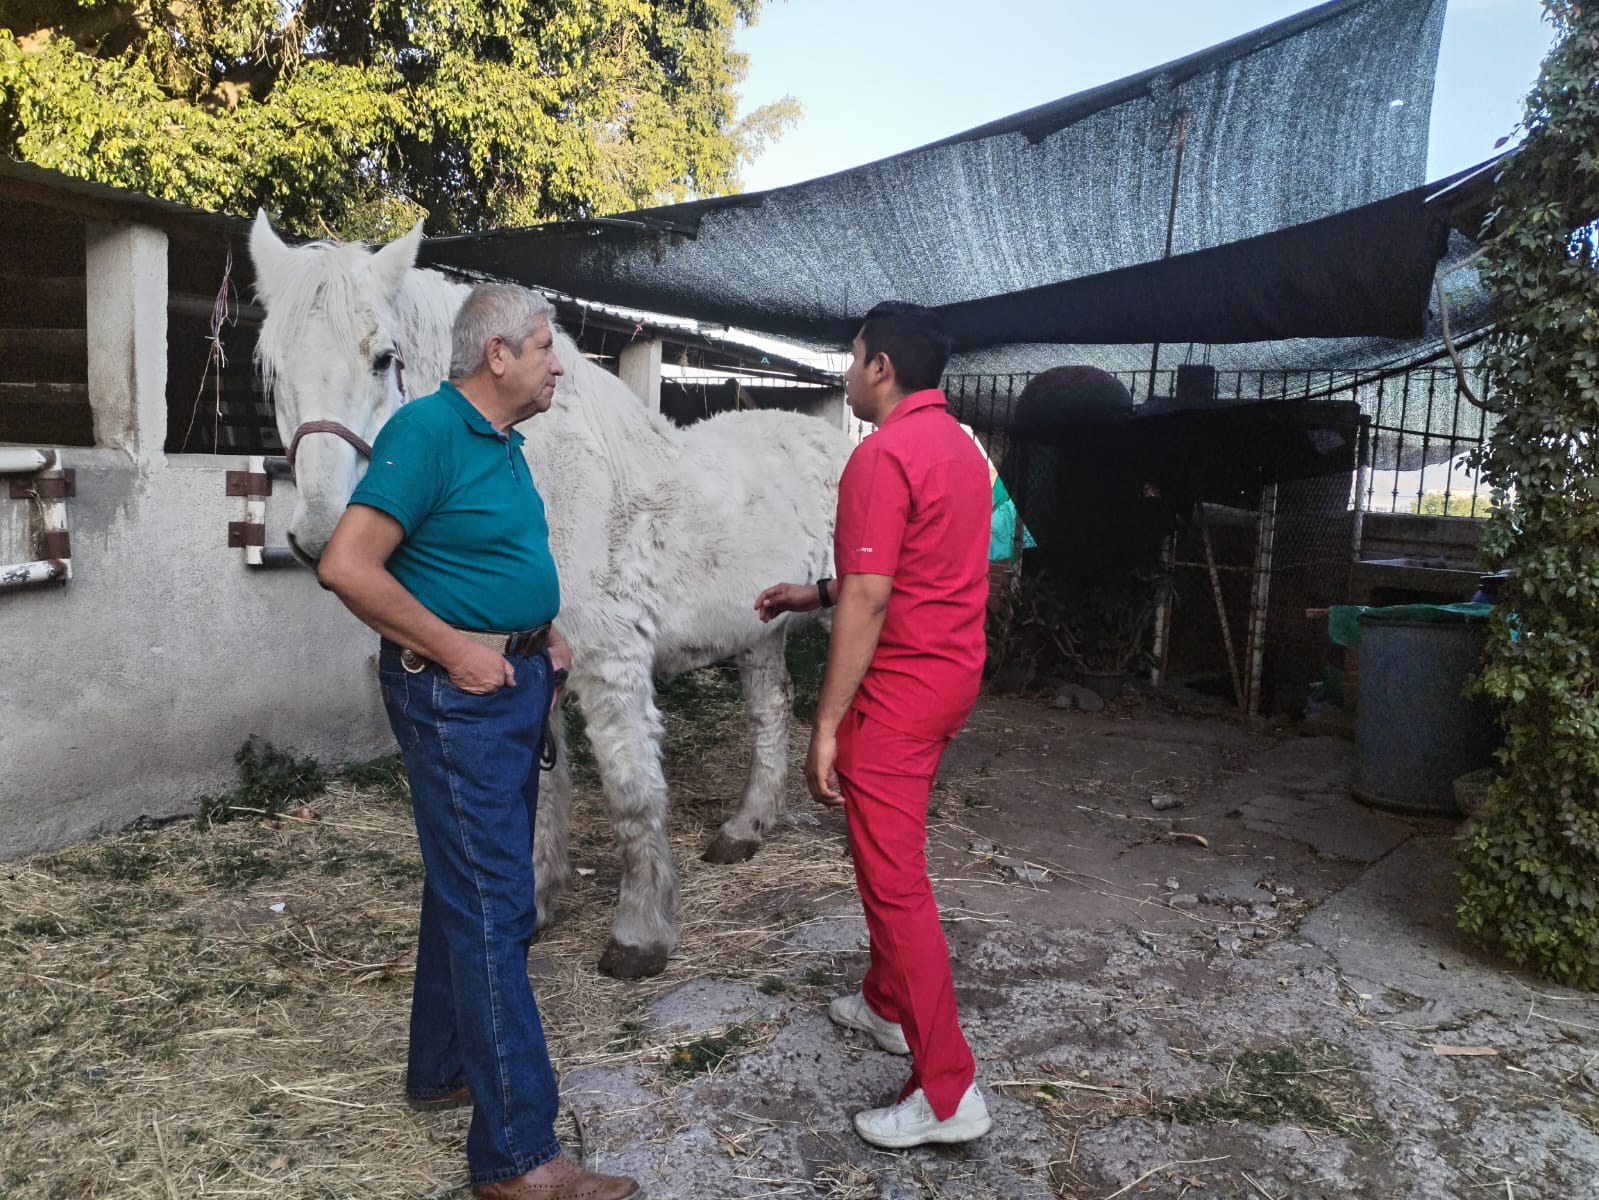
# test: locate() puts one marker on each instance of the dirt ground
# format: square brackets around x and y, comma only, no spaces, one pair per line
[1190,965]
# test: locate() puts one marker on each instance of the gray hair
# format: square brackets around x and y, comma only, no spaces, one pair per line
[503,310]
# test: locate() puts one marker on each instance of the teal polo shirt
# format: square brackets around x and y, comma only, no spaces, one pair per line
[476,551]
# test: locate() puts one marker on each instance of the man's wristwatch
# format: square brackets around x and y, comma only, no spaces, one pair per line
[823,592]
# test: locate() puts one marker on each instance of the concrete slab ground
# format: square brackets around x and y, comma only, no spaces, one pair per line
[1257,991]
[1190,966]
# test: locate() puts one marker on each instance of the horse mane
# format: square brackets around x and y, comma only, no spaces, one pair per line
[325,282]
[320,283]
[626,435]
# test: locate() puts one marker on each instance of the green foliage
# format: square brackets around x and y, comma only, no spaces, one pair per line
[271,781]
[806,654]
[705,1053]
[360,118]
[384,775]
[700,710]
[132,859]
[1530,876]
[1310,1086]
[1455,504]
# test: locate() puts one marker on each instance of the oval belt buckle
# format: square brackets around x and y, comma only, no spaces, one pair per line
[412,662]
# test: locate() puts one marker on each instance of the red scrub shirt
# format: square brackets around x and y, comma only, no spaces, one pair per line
[913,503]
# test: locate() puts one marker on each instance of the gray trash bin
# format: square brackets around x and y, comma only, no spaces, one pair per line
[1416,730]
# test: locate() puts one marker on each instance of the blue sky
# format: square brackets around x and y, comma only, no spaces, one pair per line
[972,61]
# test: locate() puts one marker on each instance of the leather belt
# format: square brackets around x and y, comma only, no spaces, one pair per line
[526,644]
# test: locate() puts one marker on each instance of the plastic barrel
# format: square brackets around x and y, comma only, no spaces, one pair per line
[1416,730]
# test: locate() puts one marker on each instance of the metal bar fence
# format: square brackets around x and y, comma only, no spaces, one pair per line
[1422,430]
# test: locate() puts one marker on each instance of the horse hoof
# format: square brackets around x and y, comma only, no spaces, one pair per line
[632,962]
[726,850]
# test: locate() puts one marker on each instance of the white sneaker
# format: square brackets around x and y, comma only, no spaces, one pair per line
[911,1122]
[853,1012]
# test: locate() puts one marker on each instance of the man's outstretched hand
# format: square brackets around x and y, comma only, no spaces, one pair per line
[788,597]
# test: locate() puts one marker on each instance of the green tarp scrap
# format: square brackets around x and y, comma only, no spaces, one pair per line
[1343,620]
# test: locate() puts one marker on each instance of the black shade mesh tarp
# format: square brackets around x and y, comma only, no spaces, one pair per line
[1315,116]
[1470,313]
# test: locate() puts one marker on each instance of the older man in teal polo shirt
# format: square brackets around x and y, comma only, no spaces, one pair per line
[444,551]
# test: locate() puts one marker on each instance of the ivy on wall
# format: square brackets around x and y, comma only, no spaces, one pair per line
[1530,875]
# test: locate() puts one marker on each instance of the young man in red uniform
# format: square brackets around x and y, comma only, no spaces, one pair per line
[903,669]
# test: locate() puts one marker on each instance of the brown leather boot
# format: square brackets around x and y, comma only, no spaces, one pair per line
[560,1179]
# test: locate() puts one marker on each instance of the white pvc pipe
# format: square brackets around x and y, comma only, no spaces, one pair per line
[15,460]
[255,512]
[52,517]
[44,570]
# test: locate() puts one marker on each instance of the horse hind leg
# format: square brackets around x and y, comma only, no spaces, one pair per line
[552,860]
[625,729]
[768,698]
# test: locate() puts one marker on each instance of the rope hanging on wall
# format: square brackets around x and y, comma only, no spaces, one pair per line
[224,312]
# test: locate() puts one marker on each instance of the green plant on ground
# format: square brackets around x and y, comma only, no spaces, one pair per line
[630,1036]
[700,709]
[271,781]
[1530,874]
[1313,1086]
[705,1053]
[384,775]
[133,859]
[806,652]
[238,865]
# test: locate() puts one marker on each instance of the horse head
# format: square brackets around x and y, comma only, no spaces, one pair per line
[334,358]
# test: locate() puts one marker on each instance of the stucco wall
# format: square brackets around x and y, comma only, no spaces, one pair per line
[126,691]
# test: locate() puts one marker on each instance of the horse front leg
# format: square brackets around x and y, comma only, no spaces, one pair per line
[624,727]
[768,698]
[552,859]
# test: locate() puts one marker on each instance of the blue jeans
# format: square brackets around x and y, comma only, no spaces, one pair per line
[473,763]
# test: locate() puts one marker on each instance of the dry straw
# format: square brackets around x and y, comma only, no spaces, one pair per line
[188,1013]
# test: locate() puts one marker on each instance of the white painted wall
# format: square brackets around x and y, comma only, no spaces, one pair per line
[639,366]
[127,326]
[125,692]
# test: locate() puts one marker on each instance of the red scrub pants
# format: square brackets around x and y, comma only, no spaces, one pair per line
[886,777]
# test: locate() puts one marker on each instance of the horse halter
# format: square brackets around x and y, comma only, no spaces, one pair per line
[343,431]
[333,427]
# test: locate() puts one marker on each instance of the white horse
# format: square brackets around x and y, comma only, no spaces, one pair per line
[663,538]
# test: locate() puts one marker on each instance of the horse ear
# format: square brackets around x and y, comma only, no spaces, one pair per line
[390,263]
[268,253]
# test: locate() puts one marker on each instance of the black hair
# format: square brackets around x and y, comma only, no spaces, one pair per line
[913,338]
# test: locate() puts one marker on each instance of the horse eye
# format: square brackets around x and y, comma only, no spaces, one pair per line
[383,362]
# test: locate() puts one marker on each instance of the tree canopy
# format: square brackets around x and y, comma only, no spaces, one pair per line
[356,117]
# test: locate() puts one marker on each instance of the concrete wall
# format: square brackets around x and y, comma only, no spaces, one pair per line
[1408,558]
[126,691]
[1409,535]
